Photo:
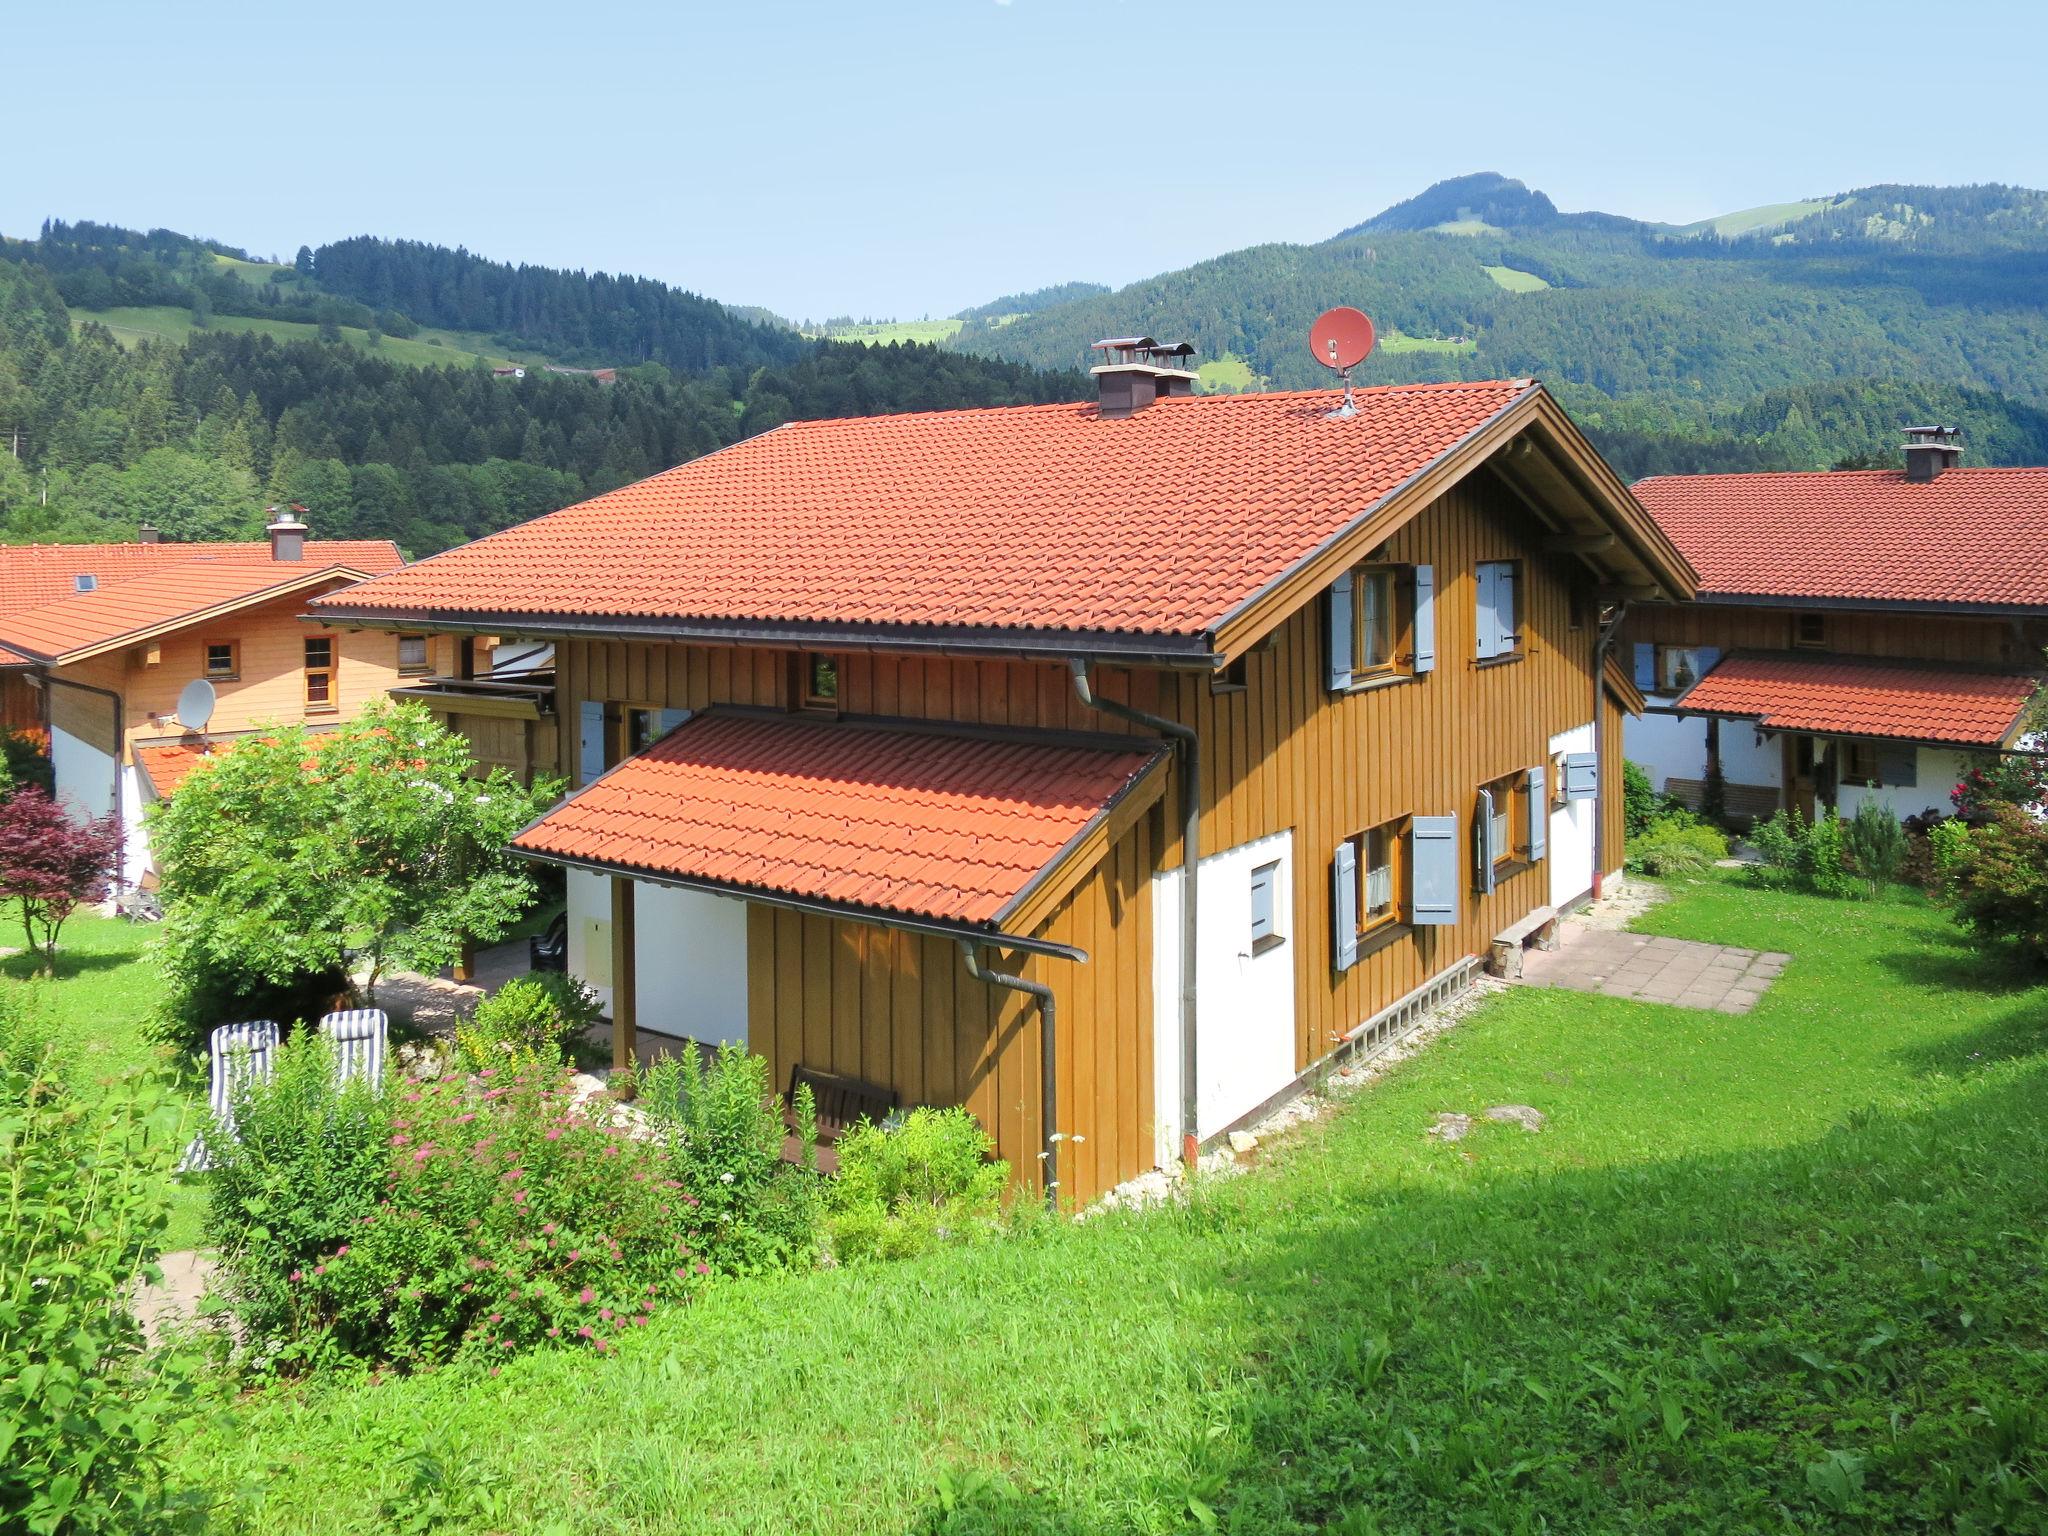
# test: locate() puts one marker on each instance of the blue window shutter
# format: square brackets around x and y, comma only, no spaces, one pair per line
[1482,844]
[589,740]
[1539,814]
[1581,775]
[1425,618]
[1898,764]
[1344,907]
[1704,657]
[1433,871]
[1646,666]
[1504,625]
[1487,628]
[666,720]
[1340,632]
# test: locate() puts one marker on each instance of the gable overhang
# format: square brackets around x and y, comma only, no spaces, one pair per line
[1622,688]
[1532,446]
[1834,604]
[141,634]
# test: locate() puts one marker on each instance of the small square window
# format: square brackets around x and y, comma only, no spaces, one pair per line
[412,653]
[821,682]
[1265,889]
[1678,668]
[221,661]
[1810,631]
[1859,763]
[85,582]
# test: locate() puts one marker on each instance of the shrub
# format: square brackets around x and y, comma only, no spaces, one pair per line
[1995,780]
[51,863]
[25,762]
[1999,883]
[1677,845]
[1949,842]
[911,1183]
[1827,859]
[1876,844]
[87,1415]
[1780,844]
[310,1163]
[725,1132]
[1640,802]
[529,1021]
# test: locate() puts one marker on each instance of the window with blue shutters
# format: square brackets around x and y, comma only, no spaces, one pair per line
[1496,609]
[1370,889]
[1898,765]
[590,743]
[1381,625]
[1581,775]
[1433,871]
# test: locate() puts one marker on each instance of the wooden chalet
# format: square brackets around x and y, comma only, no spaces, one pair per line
[1860,634]
[1102,770]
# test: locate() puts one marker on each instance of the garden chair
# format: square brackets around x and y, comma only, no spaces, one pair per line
[242,1053]
[841,1103]
[358,1036]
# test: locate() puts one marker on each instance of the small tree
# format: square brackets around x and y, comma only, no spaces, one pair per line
[1877,844]
[1998,882]
[293,860]
[50,862]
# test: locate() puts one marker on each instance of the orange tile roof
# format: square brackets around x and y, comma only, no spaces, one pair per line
[36,575]
[167,767]
[147,604]
[925,824]
[1027,517]
[1835,696]
[1969,536]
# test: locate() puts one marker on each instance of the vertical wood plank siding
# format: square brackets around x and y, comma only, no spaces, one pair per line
[1902,636]
[1282,753]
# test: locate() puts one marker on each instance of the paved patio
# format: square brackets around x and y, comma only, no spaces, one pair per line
[1653,970]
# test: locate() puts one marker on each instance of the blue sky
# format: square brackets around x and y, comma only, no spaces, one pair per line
[919,156]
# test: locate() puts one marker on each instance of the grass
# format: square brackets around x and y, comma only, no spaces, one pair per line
[257,274]
[1749,221]
[1394,341]
[1777,1272]
[1517,281]
[429,349]
[1466,227]
[1227,375]
[886,331]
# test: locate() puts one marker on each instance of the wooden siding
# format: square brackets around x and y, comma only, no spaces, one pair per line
[21,707]
[1899,636]
[1613,815]
[1282,753]
[523,747]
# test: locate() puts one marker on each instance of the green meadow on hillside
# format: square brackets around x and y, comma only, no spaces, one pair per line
[1767,1273]
[883,332]
[428,349]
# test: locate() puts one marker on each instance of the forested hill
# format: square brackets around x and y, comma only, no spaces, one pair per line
[1792,336]
[193,385]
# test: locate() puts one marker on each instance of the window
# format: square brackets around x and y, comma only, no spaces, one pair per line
[412,653]
[1265,888]
[84,582]
[1810,631]
[1382,624]
[320,673]
[1234,678]
[1859,763]
[821,682]
[1374,867]
[1678,668]
[222,662]
[1506,803]
[1499,585]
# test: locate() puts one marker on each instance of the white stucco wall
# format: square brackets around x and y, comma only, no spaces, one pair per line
[1675,746]
[1570,833]
[590,933]
[1935,774]
[690,956]
[1244,1035]
[134,835]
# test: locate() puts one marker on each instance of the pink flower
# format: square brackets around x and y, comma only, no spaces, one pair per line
[341,1250]
[497,1317]
[640,1321]
[601,1345]
[703,1268]
[399,1141]
[583,1332]
[319,1269]
[604,1312]
[585,1296]
[575,1254]
[554,1333]
[423,1154]
[554,1133]
[495,1370]
[297,1276]
[549,1227]
[519,1197]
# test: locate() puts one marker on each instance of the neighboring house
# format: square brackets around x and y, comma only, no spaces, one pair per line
[889,737]
[1858,635]
[101,639]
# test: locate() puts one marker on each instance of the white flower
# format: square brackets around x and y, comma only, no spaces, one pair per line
[726,1177]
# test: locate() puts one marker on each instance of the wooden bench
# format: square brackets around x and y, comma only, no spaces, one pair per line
[841,1103]
[1539,928]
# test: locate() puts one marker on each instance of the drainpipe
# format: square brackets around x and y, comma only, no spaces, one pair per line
[1188,748]
[1047,1059]
[1601,648]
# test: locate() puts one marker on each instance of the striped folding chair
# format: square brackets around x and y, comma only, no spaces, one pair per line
[242,1053]
[358,1036]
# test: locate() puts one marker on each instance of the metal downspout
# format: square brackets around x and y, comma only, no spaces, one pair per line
[1048,1032]
[1601,648]
[1188,748]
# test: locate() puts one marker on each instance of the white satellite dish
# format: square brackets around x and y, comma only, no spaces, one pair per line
[195,704]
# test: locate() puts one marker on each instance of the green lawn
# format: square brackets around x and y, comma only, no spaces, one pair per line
[429,349]
[886,331]
[1227,375]
[1748,221]
[1517,281]
[1394,341]
[1780,1272]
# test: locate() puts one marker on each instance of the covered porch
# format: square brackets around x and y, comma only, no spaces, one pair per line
[891,903]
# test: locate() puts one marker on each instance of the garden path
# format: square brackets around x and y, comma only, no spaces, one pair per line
[1682,972]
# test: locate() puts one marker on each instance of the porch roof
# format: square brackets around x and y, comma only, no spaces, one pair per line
[897,819]
[1850,696]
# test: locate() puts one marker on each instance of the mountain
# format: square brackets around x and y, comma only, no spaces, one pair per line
[1031,303]
[1674,344]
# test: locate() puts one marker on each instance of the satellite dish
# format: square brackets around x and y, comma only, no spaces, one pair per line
[1341,339]
[195,704]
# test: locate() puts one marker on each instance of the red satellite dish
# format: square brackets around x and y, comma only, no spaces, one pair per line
[1341,338]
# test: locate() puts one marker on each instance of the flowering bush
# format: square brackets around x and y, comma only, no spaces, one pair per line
[1994,781]
[528,1021]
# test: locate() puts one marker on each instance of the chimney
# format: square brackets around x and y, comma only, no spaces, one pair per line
[1930,450]
[149,535]
[1140,371]
[287,532]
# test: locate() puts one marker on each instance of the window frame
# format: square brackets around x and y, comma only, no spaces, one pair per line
[230,673]
[1801,640]
[424,664]
[327,671]
[1399,583]
[1393,835]
[1851,769]
[1271,934]
[807,678]
[1511,791]
[1514,629]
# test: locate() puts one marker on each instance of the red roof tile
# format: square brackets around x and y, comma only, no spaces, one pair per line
[167,767]
[909,822]
[1837,697]
[1969,536]
[147,604]
[1025,517]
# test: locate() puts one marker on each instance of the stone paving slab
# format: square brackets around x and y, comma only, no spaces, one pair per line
[1679,972]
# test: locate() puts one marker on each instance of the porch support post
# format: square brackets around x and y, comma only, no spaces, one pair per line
[625,999]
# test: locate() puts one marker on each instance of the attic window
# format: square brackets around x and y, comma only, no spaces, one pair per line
[1810,631]
[85,581]
[821,682]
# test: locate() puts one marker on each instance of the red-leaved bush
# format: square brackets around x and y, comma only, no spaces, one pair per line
[50,863]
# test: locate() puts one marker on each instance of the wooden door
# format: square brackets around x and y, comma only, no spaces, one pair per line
[1799,775]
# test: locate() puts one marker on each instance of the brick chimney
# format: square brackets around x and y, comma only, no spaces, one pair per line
[287,531]
[1930,450]
[149,535]
[1140,370]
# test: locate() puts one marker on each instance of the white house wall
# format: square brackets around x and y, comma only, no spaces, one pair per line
[690,955]
[1569,844]
[1669,746]
[1936,771]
